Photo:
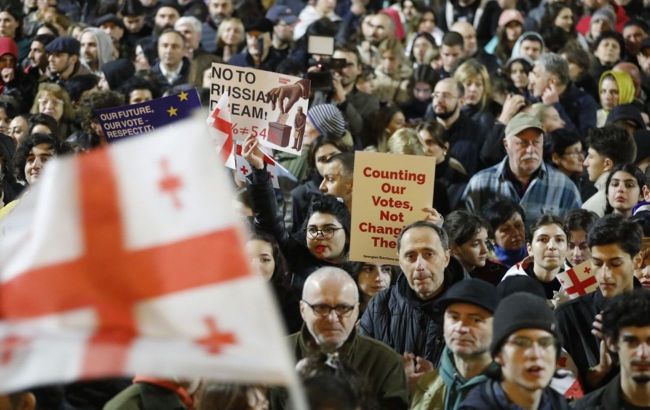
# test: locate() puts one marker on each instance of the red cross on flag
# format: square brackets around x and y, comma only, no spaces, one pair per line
[579,280]
[220,126]
[243,168]
[129,259]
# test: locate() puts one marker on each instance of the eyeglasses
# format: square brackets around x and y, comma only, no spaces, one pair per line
[521,342]
[326,233]
[54,102]
[323,310]
[444,96]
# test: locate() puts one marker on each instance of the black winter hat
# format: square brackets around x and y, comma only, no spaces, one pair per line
[520,311]
[473,291]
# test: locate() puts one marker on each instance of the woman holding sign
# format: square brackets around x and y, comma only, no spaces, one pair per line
[324,239]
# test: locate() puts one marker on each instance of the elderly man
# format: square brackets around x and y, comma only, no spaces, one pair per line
[614,243]
[405,316]
[550,83]
[469,306]
[523,176]
[330,308]
[626,328]
[190,28]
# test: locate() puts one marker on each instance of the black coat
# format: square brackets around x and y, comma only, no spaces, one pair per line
[606,398]
[490,396]
[397,317]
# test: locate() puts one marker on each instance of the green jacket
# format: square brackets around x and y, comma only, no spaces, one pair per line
[444,388]
[145,396]
[377,363]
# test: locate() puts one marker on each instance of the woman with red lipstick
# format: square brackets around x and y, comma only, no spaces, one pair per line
[624,189]
[324,238]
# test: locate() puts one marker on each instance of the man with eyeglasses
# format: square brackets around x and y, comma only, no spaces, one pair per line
[614,243]
[330,308]
[523,176]
[525,345]
[464,140]
[626,329]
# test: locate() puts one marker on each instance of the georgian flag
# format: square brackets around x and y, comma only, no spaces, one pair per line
[129,260]
[578,280]
[220,125]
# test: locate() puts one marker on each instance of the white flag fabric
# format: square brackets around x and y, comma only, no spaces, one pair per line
[220,125]
[129,260]
[578,280]
[244,168]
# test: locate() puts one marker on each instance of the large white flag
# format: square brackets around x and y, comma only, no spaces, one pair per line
[128,260]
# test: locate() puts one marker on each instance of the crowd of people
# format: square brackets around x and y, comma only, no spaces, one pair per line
[537,114]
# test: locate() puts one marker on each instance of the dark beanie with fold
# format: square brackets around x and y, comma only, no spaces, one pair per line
[518,311]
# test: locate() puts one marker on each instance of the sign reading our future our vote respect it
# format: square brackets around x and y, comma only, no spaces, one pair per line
[389,192]
[135,119]
[270,106]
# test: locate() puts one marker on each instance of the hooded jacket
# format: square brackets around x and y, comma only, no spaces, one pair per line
[490,396]
[444,388]
[397,317]
[104,46]
[516,49]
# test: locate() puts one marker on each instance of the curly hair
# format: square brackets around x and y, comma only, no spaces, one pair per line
[96,100]
[59,147]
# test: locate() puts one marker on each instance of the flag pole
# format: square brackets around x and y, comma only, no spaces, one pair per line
[297,394]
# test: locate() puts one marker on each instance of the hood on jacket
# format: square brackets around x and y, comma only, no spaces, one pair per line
[516,50]
[104,45]
[8,46]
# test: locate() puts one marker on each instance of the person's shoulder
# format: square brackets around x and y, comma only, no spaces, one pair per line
[377,347]
[591,400]
[574,304]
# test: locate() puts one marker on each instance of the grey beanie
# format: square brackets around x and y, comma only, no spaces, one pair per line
[607,14]
[327,119]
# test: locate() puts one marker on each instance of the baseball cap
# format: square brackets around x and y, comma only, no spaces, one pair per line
[279,13]
[520,122]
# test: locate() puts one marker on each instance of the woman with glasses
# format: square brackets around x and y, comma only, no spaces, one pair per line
[470,245]
[324,239]
[564,150]
[53,100]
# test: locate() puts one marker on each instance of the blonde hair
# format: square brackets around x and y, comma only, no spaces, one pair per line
[405,141]
[222,29]
[470,70]
[58,92]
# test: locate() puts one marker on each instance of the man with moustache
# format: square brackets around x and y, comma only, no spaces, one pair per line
[376,29]
[523,176]
[464,140]
[626,329]
[614,243]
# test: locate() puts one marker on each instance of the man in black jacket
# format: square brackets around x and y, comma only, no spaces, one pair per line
[404,316]
[614,242]
[626,328]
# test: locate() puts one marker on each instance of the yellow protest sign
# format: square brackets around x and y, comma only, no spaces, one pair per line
[389,192]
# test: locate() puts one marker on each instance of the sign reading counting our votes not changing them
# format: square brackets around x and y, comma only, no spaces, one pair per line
[135,119]
[389,192]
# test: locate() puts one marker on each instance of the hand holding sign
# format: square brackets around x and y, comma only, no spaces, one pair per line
[252,153]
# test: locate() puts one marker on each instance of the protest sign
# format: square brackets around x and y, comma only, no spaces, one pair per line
[135,119]
[265,104]
[389,192]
